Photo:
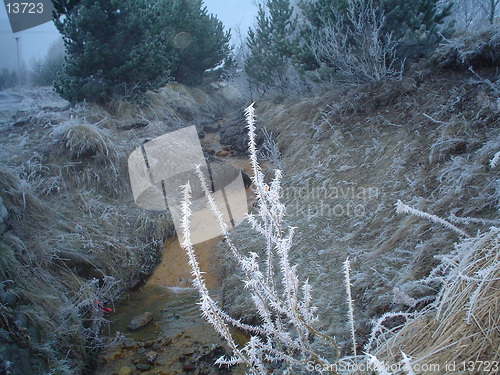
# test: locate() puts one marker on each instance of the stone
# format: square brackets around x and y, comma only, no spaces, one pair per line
[9,299]
[143,366]
[21,321]
[235,134]
[211,129]
[124,370]
[135,125]
[140,321]
[15,360]
[247,181]
[135,284]
[82,265]
[112,356]
[5,336]
[148,344]
[129,343]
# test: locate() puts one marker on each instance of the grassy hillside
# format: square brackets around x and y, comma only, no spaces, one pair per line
[71,233]
[350,154]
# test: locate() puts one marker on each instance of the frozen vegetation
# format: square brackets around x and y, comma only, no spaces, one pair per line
[400,177]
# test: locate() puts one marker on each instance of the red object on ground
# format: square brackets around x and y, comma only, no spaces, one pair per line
[105,310]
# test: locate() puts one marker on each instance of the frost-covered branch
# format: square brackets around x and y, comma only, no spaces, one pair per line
[347,270]
[357,46]
[282,303]
[495,161]
[402,208]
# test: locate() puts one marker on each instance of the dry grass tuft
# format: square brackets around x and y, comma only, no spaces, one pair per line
[85,140]
[479,49]
[18,195]
[463,324]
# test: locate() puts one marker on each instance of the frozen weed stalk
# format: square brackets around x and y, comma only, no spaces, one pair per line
[286,336]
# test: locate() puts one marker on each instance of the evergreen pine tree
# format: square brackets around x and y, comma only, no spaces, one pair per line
[198,38]
[123,48]
[414,24]
[110,51]
[273,45]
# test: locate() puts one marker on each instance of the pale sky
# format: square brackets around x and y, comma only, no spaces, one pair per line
[34,42]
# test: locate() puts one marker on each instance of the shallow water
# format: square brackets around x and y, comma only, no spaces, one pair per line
[178,338]
[158,301]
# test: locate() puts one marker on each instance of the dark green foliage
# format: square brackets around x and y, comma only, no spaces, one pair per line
[64,6]
[110,52]
[321,11]
[124,48]
[198,38]
[414,22]
[273,45]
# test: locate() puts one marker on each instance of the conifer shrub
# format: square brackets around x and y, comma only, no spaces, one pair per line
[8,78]
[124,48]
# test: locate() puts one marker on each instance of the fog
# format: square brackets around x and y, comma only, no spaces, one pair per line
[33,43]
[238,15]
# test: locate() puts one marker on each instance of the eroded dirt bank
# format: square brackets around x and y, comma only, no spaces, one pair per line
[72,239]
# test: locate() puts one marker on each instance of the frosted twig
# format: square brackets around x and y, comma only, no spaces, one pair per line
[495,161]
[407,364]
[432,119]
[347,280]
[379,366]
[402,208]
[287,320]
[467,220]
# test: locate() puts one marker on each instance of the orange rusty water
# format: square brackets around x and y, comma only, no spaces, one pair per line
[174,270]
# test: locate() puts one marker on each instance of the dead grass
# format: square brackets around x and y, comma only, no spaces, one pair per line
[75,233]
[463,324]
[426,140]
[477,49]
[85,140]
[18,196]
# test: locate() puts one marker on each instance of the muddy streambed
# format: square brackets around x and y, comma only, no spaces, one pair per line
[177,340]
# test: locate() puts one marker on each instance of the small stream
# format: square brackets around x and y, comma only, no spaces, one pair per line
[177,340]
